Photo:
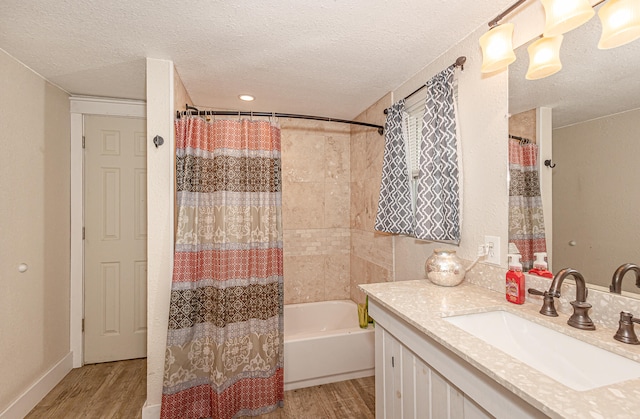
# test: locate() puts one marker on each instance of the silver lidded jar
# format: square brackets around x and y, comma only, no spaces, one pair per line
[444,268]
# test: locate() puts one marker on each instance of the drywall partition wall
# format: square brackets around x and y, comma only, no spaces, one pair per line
[315,210]
[160,216]
[371,251]
[34,223]
[483,127]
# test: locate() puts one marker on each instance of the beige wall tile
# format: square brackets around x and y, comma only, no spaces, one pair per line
[303,279]
[358,164]
[337,158]
[523,125]
[315,206]
[357,277]
[303,205]
[310,242]
[331,182]
[356,213]
[337,205]
[371,197]
[303,157]
[371,252]
[304,242]
[364,204]
[337,281]
[373,247]
[364,272]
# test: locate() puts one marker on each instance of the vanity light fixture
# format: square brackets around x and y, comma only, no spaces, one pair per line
[544,57]
[497,48]
[620,23]
[561,16]
[246,98]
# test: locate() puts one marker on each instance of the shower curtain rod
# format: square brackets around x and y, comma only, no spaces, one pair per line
[459,63]
[195,111]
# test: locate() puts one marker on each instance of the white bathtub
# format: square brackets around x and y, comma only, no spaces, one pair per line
[324,344]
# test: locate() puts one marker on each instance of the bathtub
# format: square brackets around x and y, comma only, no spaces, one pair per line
[324,344]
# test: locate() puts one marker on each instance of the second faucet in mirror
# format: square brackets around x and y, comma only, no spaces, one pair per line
[616,281]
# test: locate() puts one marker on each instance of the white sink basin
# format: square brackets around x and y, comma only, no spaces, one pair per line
[570,361]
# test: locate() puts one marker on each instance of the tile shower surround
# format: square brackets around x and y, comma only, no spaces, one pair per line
[315,210]
[331,180]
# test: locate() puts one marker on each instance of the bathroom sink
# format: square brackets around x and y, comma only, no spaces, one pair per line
[572,362]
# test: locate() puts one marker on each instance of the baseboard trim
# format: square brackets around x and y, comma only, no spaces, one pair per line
[150,411]
[40,388]
[329,379]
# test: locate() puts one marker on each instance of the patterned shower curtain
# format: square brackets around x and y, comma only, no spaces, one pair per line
[526,220]
[224,355]
[438,215]
[395,212]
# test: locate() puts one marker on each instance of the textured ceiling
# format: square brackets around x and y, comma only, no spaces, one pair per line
[592,83]
[321,57]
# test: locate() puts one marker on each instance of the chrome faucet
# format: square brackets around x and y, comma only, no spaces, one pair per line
[616,281]
[580,318]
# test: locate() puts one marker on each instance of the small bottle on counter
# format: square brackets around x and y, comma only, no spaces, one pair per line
[515,280]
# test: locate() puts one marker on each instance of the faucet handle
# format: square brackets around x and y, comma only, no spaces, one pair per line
[580,318]
[626,333]
[548,306]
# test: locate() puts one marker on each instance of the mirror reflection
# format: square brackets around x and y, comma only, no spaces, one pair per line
[594,127]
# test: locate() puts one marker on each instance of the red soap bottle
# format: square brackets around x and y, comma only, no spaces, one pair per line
[515,281]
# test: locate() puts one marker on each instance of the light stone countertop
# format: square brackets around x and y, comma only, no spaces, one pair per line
[423,305]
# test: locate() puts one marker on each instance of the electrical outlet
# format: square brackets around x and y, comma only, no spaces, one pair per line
[481,251]
[493,244]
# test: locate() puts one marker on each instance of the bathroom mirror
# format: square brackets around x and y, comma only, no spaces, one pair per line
[595,107]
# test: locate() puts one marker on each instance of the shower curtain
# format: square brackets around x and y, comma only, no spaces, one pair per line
[526,220]
[224,355]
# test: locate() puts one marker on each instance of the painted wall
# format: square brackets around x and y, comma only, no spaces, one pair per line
[34,225]
[315,210]
[160,218]
[595,202]
[483,126]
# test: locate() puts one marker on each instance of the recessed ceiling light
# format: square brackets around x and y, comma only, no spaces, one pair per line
[246,98]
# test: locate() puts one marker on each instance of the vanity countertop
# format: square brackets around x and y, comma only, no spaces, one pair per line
[423,305]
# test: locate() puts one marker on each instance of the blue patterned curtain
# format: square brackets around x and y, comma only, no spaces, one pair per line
[438,194]
[395,213]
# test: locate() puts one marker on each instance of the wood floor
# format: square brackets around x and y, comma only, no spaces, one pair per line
[353,399]
[118,390]
[109,390]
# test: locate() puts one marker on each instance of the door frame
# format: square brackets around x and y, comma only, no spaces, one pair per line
[79,107]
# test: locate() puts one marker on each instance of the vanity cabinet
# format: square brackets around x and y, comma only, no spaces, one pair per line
[410,388]
[416,377]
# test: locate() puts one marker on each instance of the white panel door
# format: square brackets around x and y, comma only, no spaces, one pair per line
[115,268]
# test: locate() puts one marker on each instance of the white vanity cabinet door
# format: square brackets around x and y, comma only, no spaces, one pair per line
[409,388]
[416,377]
